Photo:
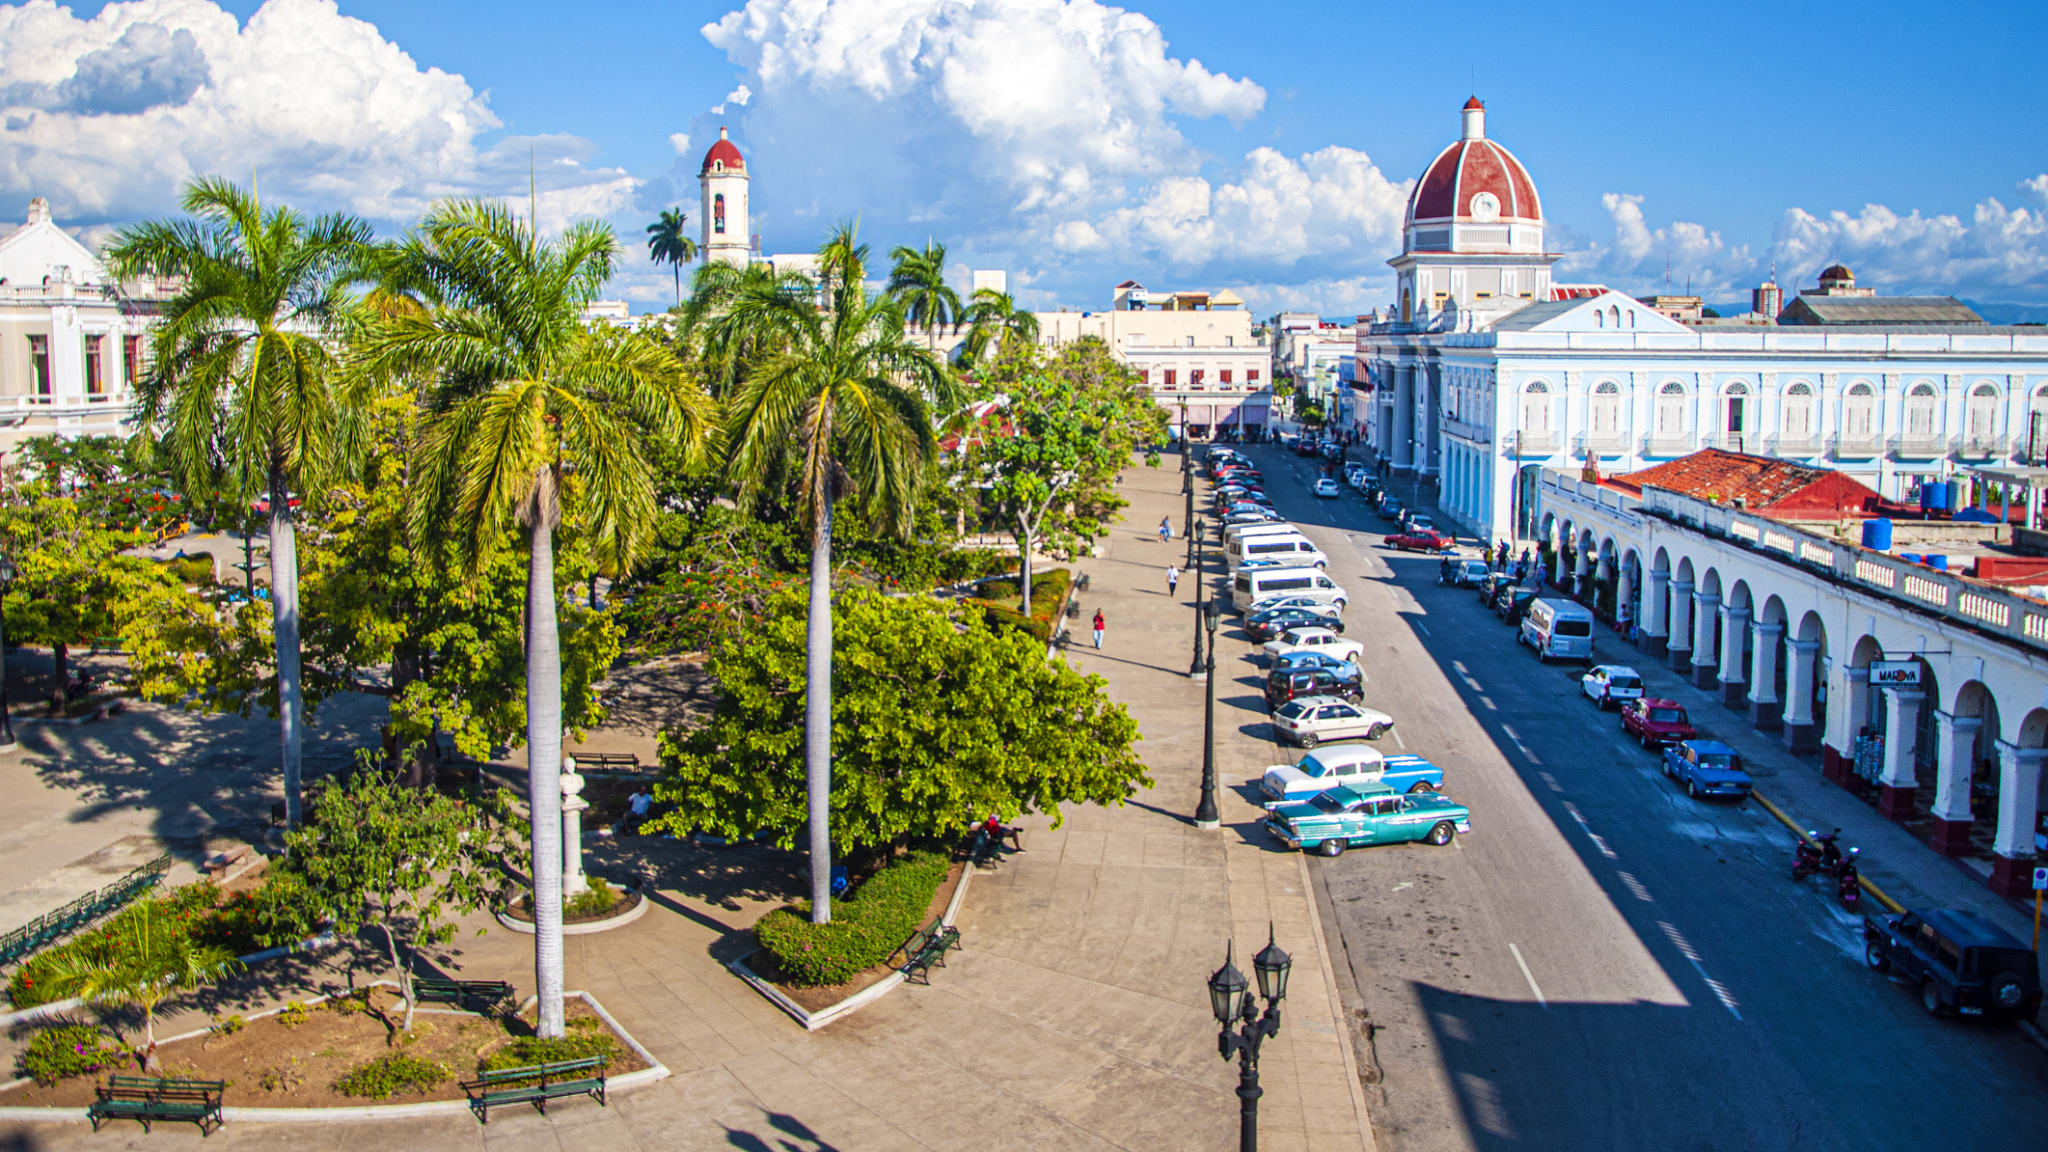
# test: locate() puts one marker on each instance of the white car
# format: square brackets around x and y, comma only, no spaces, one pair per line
[1417,521]
[1310,720]
[1326,488]
[1345,766]
[1306,603]
[1609,684]
[1315,640]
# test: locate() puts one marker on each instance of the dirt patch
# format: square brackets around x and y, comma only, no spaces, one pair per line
[269,1064]
[819,997]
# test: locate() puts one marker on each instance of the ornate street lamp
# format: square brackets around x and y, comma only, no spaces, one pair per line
[1205,811]
[1231,1002]
[1194,569]
[7,574]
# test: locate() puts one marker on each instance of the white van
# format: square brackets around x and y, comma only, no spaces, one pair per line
[1254,584]
[1557,628]
[1268,528]
[1294,550]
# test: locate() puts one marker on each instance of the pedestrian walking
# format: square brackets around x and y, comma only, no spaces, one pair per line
[1098,627]
[1172,579]
[1166,529]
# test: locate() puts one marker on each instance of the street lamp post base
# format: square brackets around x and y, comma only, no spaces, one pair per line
[1208,825]
[1198,677]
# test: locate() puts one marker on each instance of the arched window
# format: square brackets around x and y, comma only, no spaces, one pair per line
[1599,318]
[718,214]
[1536,408]
[2036,431]
[1605,417]
[1859,411]
[1920,404]
[1614,316]
[1796,416]
[1407,306]
[1735,414]
[1980,414]
[1671,409]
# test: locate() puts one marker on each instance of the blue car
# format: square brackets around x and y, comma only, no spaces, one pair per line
[1707,768]
[1291,661]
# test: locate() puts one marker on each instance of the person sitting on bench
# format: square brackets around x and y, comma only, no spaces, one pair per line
[994,829]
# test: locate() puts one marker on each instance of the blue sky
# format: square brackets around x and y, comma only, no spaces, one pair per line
[1263,148]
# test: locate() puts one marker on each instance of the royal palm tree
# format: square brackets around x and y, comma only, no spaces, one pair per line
[917,284]
[993,322]
[242,384]
[723,348]
[668,241]
[532,409]
[843,396]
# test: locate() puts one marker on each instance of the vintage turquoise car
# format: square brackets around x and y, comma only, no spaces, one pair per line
[1341,818]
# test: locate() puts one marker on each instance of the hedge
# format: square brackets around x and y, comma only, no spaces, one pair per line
[997,600]
[865,928]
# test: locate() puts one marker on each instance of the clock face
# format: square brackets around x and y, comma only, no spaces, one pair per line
[1485,207]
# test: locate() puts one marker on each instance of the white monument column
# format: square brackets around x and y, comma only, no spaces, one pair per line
[573,805]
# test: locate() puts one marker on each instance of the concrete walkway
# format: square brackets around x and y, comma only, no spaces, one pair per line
[1075,1017]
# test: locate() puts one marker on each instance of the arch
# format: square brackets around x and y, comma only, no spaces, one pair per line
[1660,560]
[1735,388]
[1536,408]
[1671,407]
[1684,573]
[2032,730]
[1921,405]
[1773,611]
[1795,414]
[1980,414]
[718,214]
[1738,595]
[1709,583]
[1859,410]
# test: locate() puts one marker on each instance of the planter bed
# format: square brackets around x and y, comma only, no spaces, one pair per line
[270,1065]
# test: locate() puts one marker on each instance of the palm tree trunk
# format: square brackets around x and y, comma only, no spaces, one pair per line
[818,716]
[1024,545]
[544,766]
[284,626]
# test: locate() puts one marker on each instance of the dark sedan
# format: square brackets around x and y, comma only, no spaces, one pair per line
[1263,626]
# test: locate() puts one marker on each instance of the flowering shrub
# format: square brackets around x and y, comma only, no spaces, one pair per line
[199,911]
[864,930]
[73,1050]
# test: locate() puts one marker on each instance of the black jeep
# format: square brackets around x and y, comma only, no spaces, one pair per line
[1284,685]
[1960,961]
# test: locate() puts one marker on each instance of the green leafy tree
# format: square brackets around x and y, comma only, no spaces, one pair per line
[995,324]
[535,410]
[149,962]
[936,721]
[917,284]
[242,385]
[709,334]
[1048,459]
[842,397]
[668,241]
[411,861]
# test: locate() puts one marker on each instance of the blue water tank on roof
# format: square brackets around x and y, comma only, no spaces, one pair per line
[1877,534]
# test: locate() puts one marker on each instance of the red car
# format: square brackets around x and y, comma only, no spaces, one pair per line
[1421,540]
[1656,722]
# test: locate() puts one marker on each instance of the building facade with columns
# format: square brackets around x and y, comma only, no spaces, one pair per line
[1195,350]
[1488,372]
[73,340]
[1790,624]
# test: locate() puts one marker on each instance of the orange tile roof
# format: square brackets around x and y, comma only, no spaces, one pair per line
[1715,474]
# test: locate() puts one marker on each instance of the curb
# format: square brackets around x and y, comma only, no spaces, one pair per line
[1861,880]
[1344,1043]
[588,927]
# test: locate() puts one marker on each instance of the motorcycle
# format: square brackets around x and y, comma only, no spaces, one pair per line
[1816,853]
[1847,886]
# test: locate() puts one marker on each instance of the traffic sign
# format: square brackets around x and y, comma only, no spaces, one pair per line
[2041,879]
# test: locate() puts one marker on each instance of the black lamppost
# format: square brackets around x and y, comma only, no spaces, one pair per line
[1194,530]
[1230,1001]
[1205,810]
[1195,669]
[6,721]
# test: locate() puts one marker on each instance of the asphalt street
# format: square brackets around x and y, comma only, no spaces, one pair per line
[1603,962]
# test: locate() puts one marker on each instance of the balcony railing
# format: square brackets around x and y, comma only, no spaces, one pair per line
[1857,446]
[1982,447]
[1605,444]
[1529,443]
[1670,444]
[1918,446]
[1795,447]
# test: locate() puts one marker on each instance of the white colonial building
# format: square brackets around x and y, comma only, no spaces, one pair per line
[1488,372]
[72,340]
[1196,350]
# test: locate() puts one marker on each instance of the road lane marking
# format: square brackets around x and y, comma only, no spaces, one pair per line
[1398,740]
[1685,949]
[1460,666]
[1523,748]
[1404,884]
[1422,628]
[1552,781]
[1488,701]
[1527,975]
[1636,886]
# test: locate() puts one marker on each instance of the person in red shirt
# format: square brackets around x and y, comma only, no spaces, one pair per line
[1098,627]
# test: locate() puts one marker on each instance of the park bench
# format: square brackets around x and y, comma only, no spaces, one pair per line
[928,946]
[461,993]
[536,1084]
[153,1098]
[595,762]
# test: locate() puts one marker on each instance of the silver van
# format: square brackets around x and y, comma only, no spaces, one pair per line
[1293,550]
[1251,585]
[1557,628]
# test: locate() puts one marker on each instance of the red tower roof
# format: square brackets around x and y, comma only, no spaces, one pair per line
[1473,104]
[725,150]
[1468,167]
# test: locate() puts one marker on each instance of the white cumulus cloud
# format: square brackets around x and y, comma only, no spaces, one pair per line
[1640,256]
[108,116]
[1997,253]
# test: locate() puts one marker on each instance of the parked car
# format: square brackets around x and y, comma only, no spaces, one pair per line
[1463,573]
[1325,489]
[1960,961]
[1515,605]
[1655,721]
[1318,638]
[1283,686]
[1344,818]
[1312,720]
[1706,768]
[1322,608]
[1263,626]
[1609,685]
[1391,508]
[1250,514]
[1420,540]
[1419,522]
[1491,588]
[1295,661]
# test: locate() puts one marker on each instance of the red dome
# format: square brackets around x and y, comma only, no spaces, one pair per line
[1473,104]
[1473,165]
[723,150]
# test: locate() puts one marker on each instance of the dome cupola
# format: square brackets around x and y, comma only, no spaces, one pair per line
[1474,197]
[724,156]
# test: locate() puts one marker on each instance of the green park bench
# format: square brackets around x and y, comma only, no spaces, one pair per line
[153,1098]
[461,993]
[928,946]
[626,763]
[536,1084]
